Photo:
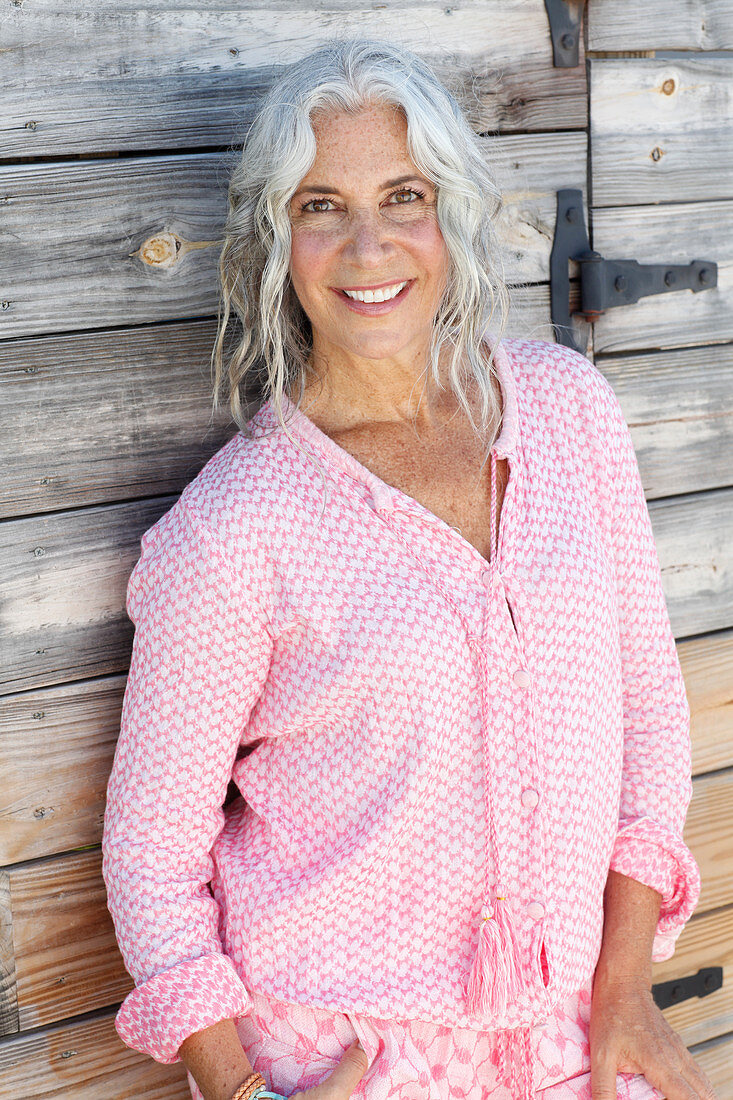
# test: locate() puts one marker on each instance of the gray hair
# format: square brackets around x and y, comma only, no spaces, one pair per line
[279,150]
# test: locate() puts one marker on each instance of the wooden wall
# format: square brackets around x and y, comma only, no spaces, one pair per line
[117,130]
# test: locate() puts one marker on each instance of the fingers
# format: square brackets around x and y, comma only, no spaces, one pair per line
[603,1081]
[349,1072]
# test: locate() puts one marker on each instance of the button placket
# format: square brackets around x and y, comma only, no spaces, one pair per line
[510,758]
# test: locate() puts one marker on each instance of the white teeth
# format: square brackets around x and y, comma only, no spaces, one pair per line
[382,295]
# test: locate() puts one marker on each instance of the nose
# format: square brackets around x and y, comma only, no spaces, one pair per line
[369,241]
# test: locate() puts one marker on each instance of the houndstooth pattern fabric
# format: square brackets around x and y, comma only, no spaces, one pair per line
[381,695]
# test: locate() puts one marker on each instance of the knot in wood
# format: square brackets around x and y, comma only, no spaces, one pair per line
[162,250]
[669,86]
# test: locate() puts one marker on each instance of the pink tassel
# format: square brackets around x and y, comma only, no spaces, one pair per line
[495,974]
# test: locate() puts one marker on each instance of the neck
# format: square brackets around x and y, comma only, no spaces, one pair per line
[344,390]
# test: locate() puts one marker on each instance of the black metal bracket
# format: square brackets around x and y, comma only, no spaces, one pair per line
[605,284]
[564,22]
[701,984]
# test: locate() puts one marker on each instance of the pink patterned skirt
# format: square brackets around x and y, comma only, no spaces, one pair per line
[297,1047]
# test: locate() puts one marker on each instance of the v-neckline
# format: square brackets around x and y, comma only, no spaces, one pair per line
[387,497]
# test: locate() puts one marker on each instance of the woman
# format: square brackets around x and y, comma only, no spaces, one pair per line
[414,610]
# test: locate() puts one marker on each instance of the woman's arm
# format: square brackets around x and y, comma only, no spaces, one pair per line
[216,1060]
[218,1065]
[200,658]
[628,1033]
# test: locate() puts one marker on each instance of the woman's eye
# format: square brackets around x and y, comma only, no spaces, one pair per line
[405,196]
[316,206]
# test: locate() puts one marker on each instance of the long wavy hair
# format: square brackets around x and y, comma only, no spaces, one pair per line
[273,353]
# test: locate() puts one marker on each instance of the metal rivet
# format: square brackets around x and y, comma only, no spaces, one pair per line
[620,282]
[669,278]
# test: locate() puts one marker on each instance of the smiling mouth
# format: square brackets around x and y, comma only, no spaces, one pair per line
[375,294]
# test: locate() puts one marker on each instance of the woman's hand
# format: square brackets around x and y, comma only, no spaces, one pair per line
[344,1079]
[629,1034]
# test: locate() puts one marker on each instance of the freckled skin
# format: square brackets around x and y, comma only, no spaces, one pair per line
[369,396]
[364,237]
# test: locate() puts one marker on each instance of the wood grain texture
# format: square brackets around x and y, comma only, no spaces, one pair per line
[690,25]
[707,666]
[69,265]
[694,540]
[9,1019]
[661,130]
[161,75]
[57,747]
[706,940]
[66,956]
[63,579]
[716,1059]
[669,233]
[84,1060]
[679,408]
[106,415]
[709,835]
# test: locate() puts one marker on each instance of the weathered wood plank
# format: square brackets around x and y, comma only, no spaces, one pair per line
[707,667]
[163,76]
[9,1019]
[84,1060]
[706,940]
[62,592]
[679,407]
[57,747]
[693,25]
[661,130]
[668,233]
[104,415]
[709,835]
[68,265]
[66,956]
[716,1060]
[694,540]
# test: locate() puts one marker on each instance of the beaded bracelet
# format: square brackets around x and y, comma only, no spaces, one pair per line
[255,1088]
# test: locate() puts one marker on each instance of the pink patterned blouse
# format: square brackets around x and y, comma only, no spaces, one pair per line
[414,731]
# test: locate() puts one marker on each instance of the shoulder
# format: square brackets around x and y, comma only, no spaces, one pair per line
[562,395]
[550,372]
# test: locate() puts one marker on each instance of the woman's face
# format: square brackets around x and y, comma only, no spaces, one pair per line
[364,221]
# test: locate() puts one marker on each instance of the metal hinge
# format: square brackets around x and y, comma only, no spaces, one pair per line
[564,22]
[701,984]
[605,284]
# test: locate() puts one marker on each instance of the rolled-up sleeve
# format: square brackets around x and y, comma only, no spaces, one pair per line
[656,781]
[200,659]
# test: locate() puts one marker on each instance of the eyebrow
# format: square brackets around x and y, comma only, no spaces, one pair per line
[325,189]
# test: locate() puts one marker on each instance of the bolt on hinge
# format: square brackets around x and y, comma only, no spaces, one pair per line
[564,22]
[605,284]
[702,984]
